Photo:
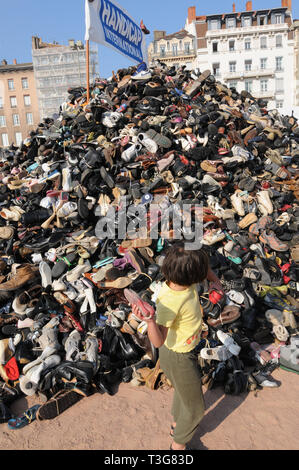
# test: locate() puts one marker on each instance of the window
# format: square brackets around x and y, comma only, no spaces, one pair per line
[175,49]
[25,83]
[216,70]
[2,121]
[248,65]
[247,21]
[279,40]
[1,102]
[187,47]
[279,104]
[247,44]
[214,24]
[279,85]
[248,86]
[230,22]
[279,64]
[27,100]
[263,63]
[16,119]
[264,42]
[233,84]
[13,101]
[5,141]
[18,138]
[231,45]
[29,118]
[215,46]
[168,45]
[232,67]
[262,20]
[181,45]
[264,85]
[278,19]
[162,51]
[11,85]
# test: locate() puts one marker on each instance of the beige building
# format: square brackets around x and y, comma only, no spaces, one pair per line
[173,49]
[60,67]
[19,112]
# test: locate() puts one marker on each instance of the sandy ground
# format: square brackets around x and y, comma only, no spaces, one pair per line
[139,419]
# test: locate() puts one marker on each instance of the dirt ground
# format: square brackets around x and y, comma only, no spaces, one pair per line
[139,419]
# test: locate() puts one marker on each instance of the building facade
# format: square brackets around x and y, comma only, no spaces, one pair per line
[252,50]
[19,112]
[58,68]
[173,49]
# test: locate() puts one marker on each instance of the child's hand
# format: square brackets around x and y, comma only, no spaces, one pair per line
[139,314]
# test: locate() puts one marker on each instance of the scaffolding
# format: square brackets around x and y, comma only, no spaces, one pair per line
[58,68]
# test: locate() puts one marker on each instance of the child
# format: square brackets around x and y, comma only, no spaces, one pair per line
[176,331]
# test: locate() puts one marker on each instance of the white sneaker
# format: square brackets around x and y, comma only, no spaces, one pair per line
[110,119]
[131,152]
[238,204]
[265,204]
[220,353]
[229,342]
[66,180]
[143,75]
[148,143]
[46,274]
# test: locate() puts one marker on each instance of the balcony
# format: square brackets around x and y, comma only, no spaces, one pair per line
[172,55]
[254,73]
[247,30]
[264,94]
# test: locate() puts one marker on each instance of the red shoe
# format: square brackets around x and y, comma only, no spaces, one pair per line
[146,309]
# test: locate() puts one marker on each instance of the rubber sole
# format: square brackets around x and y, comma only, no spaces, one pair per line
[58,404]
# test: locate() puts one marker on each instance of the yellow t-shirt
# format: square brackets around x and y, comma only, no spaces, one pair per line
[181,312]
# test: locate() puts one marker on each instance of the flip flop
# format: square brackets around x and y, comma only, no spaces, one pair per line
[26,418]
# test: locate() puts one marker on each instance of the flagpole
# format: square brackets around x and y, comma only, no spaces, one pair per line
[87,71]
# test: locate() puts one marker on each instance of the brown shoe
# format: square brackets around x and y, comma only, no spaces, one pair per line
[20,277]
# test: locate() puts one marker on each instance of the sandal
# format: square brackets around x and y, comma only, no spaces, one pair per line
[26,418]
[186,448]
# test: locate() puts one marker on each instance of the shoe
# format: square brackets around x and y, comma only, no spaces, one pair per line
[59,403]
[228,342]
[220,353]
[22,276]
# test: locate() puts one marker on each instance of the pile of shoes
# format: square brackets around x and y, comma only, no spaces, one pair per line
[162,136]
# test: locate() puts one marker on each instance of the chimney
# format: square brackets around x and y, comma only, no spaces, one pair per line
[249,6]
[191,14]
[234,8]
[289,5]
[284,3]
[159,35]
[4,62]
[14,62]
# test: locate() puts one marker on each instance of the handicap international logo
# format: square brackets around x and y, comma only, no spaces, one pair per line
[120,31]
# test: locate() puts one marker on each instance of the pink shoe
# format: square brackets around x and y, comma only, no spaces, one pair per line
[146,309]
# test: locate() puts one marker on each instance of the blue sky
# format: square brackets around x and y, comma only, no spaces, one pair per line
[61,20]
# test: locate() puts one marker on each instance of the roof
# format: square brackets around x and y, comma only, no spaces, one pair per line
[179,35]
[16,67]
[251,12]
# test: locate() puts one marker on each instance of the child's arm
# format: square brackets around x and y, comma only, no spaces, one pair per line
[156,333]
